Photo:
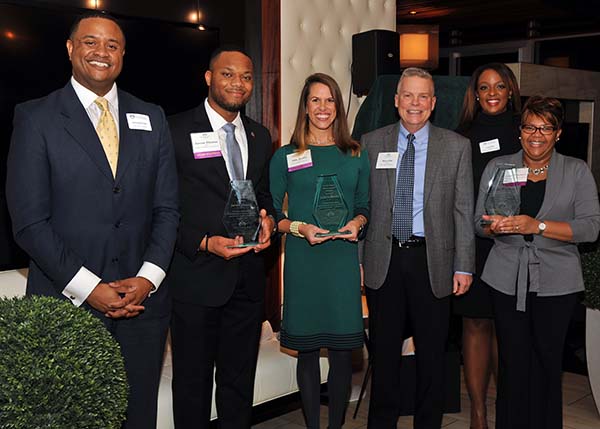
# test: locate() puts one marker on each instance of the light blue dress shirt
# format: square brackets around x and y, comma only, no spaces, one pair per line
[421,142]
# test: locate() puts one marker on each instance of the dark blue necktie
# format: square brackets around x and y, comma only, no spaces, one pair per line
[402,222]
[233,153]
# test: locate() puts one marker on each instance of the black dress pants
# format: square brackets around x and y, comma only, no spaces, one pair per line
[530,349]
[225,337]
[406,298]
[142,342]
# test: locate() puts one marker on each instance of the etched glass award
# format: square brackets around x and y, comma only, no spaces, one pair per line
[241,216]
[330,209]
[503,196]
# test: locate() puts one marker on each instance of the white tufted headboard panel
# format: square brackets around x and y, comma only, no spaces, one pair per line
[316,36]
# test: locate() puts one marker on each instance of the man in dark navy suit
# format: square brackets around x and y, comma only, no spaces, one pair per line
[218,291]
[92,192]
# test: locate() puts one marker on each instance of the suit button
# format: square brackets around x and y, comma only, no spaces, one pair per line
[115,260]
[116,190]
[118,224]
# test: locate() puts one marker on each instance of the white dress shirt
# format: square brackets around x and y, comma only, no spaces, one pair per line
[84,281]
[217,122]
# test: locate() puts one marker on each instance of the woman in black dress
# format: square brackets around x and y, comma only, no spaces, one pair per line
[490,119]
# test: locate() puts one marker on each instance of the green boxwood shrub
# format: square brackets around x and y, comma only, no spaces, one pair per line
[590,263]
[59,367]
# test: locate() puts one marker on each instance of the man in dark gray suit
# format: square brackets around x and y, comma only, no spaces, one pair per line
[418,250]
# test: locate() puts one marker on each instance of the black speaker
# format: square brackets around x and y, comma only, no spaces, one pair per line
[374,53]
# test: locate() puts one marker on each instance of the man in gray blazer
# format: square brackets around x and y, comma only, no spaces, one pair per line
[419,248]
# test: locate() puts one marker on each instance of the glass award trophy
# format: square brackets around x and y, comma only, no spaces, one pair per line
[329,209]
[503,196]
[241,216]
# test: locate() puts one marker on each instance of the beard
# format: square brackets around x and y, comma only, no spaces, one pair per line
[224,104]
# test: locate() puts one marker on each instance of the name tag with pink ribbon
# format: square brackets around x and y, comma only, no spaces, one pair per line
[205,145]
[515,177]
[299,161]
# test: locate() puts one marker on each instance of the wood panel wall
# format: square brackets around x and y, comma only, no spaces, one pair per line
[271,118]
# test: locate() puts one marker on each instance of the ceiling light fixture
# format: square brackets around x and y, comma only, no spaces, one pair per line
[198,15]
[413,12]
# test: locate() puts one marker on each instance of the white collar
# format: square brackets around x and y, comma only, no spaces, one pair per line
[217,121]
[87,97]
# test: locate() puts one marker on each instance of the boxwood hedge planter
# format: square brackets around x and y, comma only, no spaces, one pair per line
[59,367]
[590,261]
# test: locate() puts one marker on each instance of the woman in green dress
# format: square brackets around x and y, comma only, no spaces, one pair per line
[322,300]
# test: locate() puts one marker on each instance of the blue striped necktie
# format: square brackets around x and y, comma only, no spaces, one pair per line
[402,222]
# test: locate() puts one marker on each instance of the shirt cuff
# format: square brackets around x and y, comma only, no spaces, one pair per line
[152,273]
[81,286]
[463,272]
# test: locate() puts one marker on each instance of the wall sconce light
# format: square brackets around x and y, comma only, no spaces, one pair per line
[419,46]
[93,4]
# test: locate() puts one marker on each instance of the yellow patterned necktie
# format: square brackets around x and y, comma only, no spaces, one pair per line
[107,132]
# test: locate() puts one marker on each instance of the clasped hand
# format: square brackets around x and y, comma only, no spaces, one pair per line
[121,298]
[520,224]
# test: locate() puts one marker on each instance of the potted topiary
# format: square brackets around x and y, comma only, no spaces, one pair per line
[59,367]
[590,262]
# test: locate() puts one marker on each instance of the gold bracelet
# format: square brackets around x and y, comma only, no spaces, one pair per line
[294,228]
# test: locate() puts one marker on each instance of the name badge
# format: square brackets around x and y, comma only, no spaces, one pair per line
[522,174]
[387,160]
[138,121]
[516,177]
[299,161]
[205,145]
[489,146]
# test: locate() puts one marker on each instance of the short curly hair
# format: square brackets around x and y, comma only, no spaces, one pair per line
[549,108]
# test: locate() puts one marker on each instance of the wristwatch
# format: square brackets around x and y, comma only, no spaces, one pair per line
[541,228]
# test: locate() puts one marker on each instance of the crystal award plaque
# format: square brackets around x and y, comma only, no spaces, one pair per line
[503,196]
[241,216]
[330,209]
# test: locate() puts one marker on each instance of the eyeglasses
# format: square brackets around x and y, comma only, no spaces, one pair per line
[544,129]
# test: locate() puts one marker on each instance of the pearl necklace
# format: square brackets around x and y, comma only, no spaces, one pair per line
[538,171]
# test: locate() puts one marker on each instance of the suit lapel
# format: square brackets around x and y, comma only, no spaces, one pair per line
[252,172]
[434,161]
[77,123]
[554,181]
[129,141]
[390,144]
[218,166]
